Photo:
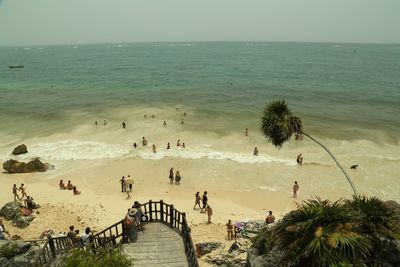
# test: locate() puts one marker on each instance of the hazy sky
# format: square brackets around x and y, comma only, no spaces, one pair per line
[29,22]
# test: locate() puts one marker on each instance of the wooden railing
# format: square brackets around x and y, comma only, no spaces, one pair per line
[113,236]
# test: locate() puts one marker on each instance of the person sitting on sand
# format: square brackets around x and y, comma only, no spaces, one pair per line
[295,189]
[62,185]
[3,231]
[255,153]
[177,177]
[229,228]
[197,200]
[15,192]
[70,186]
[205,201]
[76,191]
[209,213]
[29,204]
[168,146]
[144,141]
[299,160]
[178,143]
[165,123]
[270,218]
[171,176]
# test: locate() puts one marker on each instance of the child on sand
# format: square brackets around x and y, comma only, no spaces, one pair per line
[76,191]
[197,200]
[229,228]
[295,189]
[209,213]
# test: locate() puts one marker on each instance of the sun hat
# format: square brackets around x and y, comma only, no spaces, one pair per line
[132,212]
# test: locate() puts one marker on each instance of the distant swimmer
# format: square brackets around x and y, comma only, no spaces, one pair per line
[181,121]
[168,146]
[96,123]
[184,114]
[144,141]
[154,149]
[295,189]
[134,145]
[145,116]
[153,116]
[105,122]
[123,125]
[183,145]
[246,132]
[354,167]
[299,160]
[178,143]
[51,86]
[165,123]
[255,153]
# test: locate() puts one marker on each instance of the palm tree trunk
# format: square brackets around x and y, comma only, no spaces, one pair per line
[337,162]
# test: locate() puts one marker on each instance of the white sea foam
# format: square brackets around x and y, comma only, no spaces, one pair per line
[89,150]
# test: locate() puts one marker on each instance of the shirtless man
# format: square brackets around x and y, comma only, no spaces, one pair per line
[270,218]
[15,192]
[295,189]
[299,159]
[23,191]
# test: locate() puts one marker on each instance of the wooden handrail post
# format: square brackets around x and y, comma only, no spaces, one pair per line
[52,247]
[151,210]
[171,215]
[162,210]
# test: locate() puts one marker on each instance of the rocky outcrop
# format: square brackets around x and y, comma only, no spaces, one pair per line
[35,165]
[13,211]
[226,259]
[21,149]
[274,258]
[17,254]
[207,247]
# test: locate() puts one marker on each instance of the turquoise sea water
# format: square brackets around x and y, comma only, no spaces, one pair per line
[345,91]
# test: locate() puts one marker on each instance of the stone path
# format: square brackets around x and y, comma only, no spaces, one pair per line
[157,245]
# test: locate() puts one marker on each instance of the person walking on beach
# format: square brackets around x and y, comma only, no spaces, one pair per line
[295,189]
[154,149]
[197,200]
[177,177]
[23,191]
[209,213]
[255,153]
[15,192]
[123,125]
[229,229]
[144,141]
[168,146]
[205,201]
[270,218]
[129,182]
[246,132]
[123,184]
[299,160]
[171,176]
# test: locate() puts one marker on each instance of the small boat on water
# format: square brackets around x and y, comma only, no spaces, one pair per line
[16,66]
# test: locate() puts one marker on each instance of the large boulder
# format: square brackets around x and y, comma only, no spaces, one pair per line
[21,149]
[35,165]
[10,210]
[207,247]
[22,221]
[17,254]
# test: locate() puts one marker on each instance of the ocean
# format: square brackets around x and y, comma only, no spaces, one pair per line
[347,95]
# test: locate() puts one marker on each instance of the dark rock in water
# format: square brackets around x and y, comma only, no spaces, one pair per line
[21,149]
[35,165]
[10,210]
[207,247]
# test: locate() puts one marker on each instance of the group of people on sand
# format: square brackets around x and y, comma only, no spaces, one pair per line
[83,240]
[133,222]
[69,186]
[205,207]
[22,189]
[177,176]
[127,185]
[28,201]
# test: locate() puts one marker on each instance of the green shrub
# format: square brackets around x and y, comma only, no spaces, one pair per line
[82,258]
[8,251]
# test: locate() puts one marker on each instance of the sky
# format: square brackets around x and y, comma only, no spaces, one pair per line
[46,22]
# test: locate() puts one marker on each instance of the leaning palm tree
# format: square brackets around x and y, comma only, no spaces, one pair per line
[278,125]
